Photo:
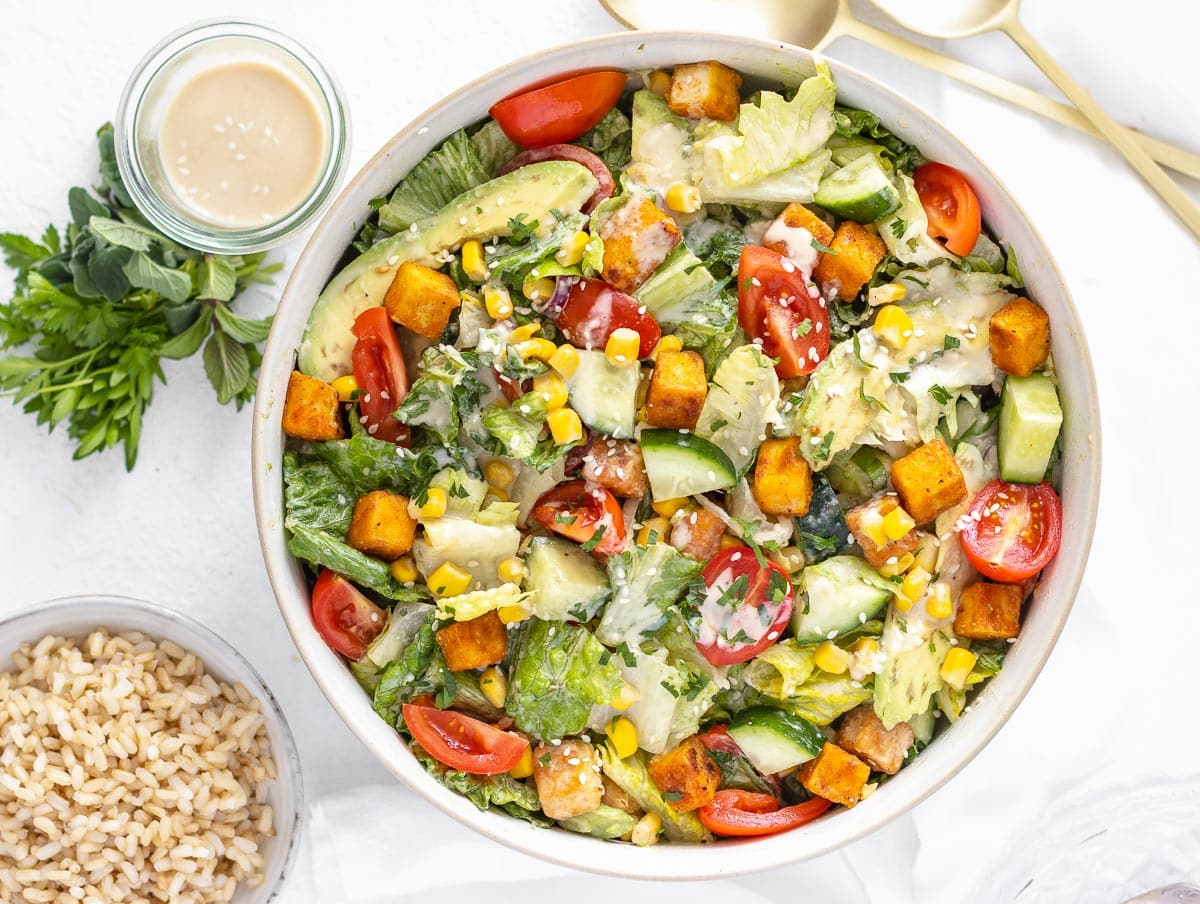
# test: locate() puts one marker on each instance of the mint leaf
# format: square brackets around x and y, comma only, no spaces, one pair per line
[144,273]
[227,365]
[187,343]
[242,329]
[216,278]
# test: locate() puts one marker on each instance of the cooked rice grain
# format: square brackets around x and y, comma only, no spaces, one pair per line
[127,773]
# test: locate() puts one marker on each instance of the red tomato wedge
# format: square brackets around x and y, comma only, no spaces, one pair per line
[560,112]
[1012,530]
[717,738]
[463,743]
[746,607]
[343,616]
[740,814]
[577,512]
[777,307]
[594,310]
[575,154]
[951,205]
[381,375]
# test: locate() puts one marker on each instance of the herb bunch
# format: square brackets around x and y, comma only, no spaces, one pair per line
[97,306]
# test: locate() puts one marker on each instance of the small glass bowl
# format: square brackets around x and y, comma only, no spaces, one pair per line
[155,83]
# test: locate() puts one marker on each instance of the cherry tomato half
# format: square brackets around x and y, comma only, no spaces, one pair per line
[560,112]
[577,511]
[381,375]
[1012,530]
[717,738]
[746,607]
[463,743]
[736,813]
[951,205]
[576,154]
[594,310]
[343,616]
[776,306]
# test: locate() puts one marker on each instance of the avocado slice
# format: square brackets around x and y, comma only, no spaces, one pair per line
[480,213]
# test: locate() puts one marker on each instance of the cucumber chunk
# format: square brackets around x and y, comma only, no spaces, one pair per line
[774,740]
[563,580]
[683,464]
[843,593]
[604,395]
[862,190]
[1030,418]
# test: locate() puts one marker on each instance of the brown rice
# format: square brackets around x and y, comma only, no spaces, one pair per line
[128,773]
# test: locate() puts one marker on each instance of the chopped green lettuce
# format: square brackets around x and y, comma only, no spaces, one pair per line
[440,176]
[787,675]
[780,670]
[532,244]
[850,123]
[464,493]
[324,550]
[516,798]
[493,148]
[911,671]
[517,428]
[742,405]
[444,393]
[610,139]
[404,623]
[661,153]
[603,822]
[649,581]
[630,776]
[316,496]
[474,603]
[905,232]
[479,548]
[408,674]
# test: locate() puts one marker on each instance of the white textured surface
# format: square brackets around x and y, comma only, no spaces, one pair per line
[180,529]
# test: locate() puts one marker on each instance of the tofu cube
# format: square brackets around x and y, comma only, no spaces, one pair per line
[1019,336]
[637,238]
[782,478]
[929,481]
[698,534]
[862,734]
[311,410]
[989,611]
[382,526]
[473,644]
[857,252]
[568,780]
[421,299]
[617,465]
[835,775]
[616,796]
[797,216]
[687,776]
[677,390]
[862,518]
[709,89]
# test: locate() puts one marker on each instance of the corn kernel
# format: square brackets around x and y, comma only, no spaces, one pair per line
[565,360]
[865,646]
[449,580]
[494,686]
[683,198]
[572,249]
[646,831]
[790,558]
[433,507]
[498,302]
[893,326]
[940,603]
[659,82]
[550,386]
[565,426]
[623,735]
[897,523]
[667,344]
[626,697]
[915,583]
[958,665]
[622,346]
[524,767]
[499,473]
[926,552]
[902,602]
[729,541]
[831,658]
[346,387]
[542,349]
[541,289]
[872,526]
[511,570]
[498,493]
[512,614]
[668,507]
[404,570]
[896,565]
[527,331]
[659,527]
[888,293]
[473,263]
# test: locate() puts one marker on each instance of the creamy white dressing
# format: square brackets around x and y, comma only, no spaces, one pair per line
[720,622]
[796,241]
[664,157]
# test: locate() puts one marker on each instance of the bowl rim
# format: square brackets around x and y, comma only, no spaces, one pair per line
[251,678]
[985,717]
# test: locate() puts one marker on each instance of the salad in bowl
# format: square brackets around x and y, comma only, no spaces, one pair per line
[672,456]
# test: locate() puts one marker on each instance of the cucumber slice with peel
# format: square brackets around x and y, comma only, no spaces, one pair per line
[774,740]
[1030,418]
[683,464]
[862,190]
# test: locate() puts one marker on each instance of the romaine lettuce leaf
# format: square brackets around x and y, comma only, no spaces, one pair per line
[911,673]
[407,675]
[602,822]
[517,427]
[742,405]
[367,464]
[323,549]
[444,393]
[631,776]
[516,798]
[474,603]
[404,622]
[780,670]
[316,496]
[905,232]
[531,244]
[493,147]
[479,548]
[440,176]
[649,581]
[610,139]
[849,123]
[787,675]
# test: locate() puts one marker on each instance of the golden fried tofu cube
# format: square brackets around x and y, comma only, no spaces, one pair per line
[835,775]
[637,238]
[473,644]
[1019,335]
[617,465]
[709,89]
[989,611]
[862,734]
[797,216]
[864,520]
[567,776]
[929,481]
[857,252]
[311,410]
[382,526]
[421,299]
[782,478]
[677,390]
[687,775]
[698,534]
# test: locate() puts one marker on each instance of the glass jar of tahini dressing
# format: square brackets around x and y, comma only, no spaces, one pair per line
[231,137]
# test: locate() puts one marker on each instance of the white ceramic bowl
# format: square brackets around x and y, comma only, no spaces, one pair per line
[1081,459]
[78,616]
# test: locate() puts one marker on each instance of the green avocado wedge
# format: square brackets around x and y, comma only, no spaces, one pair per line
[481,213]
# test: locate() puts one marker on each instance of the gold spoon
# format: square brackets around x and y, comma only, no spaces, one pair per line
[961,18]
[817,23]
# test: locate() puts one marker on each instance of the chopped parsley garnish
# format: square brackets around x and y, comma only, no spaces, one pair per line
[899,227]
[626,654]
[674,691]
[594,540]
[672,797]
[858,353]
[735,592]
[939,393]
[803,328]
[544,759]
[899,376]
[826,445]
[777,587]
[950,342]
[870,400]
[823,248]
[565,518]
[521,228]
